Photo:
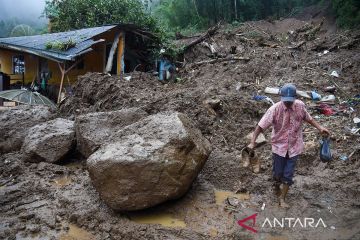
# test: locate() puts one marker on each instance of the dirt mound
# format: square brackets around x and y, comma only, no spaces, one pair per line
[98,92]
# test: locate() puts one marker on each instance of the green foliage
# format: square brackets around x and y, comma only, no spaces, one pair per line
[347,13]
[180,15]
[62,46]
[6,27]
[76,14]
[200,14]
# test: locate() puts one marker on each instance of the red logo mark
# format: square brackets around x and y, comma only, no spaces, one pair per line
[253,217]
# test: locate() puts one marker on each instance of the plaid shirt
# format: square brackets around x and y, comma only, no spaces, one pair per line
[286,135]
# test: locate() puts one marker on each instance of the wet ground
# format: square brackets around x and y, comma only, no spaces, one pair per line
[47,201]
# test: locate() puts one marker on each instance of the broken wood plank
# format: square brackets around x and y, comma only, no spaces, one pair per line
[112,53]
[276,91]
[62,70]
[210,46]
[63,73]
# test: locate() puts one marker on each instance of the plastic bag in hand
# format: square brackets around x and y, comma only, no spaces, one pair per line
[325,152]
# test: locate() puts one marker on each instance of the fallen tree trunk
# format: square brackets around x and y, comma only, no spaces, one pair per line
[297,46]
[209,33]
[221,60]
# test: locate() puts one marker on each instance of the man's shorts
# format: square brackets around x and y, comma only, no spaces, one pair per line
[284,168]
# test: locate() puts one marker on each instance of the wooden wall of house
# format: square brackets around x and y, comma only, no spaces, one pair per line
[93,62]
[31,64]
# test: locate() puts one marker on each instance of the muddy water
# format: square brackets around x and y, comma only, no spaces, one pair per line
[62,181]
[76,233]
[200,216]
[221,196]
[164,219]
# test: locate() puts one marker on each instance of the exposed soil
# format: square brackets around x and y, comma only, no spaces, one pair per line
[48,201]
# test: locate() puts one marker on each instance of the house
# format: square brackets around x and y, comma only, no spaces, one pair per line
[56,59]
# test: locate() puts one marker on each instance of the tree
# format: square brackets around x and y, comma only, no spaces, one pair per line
[203,13]
[347,13]
[66,15]
[22,30]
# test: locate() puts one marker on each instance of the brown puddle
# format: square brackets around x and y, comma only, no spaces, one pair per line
[76,233]
[166,220]
[221,196]
[213,232]
[62,181]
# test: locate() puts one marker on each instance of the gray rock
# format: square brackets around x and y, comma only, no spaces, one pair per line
[95,129]
[49,141]
[149,162]
[16,121]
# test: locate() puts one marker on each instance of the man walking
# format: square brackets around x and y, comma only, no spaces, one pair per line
[286,118]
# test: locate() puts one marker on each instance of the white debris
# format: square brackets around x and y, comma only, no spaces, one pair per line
[329,98]
[356,120]
[334,74]
[127,78]
[263,207]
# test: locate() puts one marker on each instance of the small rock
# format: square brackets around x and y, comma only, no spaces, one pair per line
[26,216]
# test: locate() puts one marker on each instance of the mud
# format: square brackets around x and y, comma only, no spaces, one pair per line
[48,201]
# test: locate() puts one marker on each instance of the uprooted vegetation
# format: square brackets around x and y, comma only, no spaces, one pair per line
[217,79]
[61,46]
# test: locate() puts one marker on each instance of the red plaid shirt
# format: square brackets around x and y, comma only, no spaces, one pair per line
[287,127]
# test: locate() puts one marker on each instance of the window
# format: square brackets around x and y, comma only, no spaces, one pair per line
[18,64]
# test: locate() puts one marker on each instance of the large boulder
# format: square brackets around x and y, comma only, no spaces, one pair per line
[96,129]
[14,123]
[49,141]
[149,162]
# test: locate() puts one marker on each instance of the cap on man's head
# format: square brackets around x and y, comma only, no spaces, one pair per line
[288,93]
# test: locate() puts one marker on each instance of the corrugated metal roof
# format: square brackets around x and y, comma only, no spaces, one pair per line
[37,44]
